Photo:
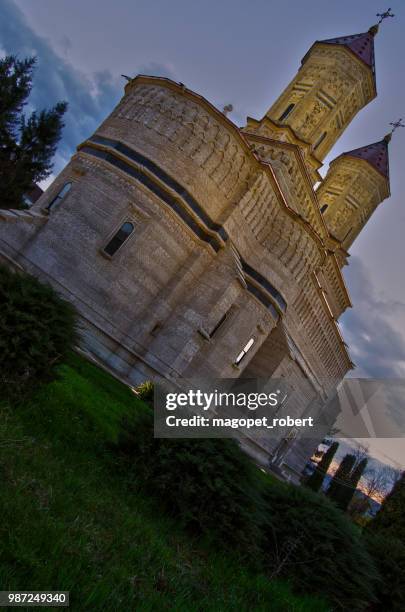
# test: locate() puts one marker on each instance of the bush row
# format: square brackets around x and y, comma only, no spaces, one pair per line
[213,489]
[210,486]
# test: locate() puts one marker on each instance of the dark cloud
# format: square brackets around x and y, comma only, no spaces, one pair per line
[90,97]
[373,328]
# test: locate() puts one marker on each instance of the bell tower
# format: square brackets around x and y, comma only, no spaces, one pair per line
[356,183]
[335,81]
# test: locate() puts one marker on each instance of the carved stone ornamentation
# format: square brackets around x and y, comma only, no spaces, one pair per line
[219,241]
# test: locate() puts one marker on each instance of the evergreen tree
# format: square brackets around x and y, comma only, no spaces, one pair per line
[337,490]
[357,473]
[27,143]
[37,332]
[391,518]
[317,477]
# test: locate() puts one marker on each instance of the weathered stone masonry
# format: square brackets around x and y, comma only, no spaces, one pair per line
[226,239]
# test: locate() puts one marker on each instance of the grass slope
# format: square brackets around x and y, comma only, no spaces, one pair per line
[70,521]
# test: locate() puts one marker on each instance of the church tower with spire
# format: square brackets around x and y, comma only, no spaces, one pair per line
[356,183]
[335,81]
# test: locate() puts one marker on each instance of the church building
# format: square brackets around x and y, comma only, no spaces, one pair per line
[191,247]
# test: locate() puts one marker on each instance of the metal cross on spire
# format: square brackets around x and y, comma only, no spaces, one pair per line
[396,125]
[385,15]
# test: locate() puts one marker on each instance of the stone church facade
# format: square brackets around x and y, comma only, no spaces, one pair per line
[191,247]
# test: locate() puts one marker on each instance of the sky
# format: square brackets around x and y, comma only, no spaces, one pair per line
[244,53]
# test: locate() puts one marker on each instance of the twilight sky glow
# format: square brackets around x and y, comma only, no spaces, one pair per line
[242,53]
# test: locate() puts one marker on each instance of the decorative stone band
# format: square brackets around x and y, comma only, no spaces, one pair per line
[146,172]
[211,237]
[261,296]
[249,271]
[166,179]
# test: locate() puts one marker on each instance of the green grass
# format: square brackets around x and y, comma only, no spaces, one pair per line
[70,520]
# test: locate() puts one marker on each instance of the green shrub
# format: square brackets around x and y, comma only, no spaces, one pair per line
[209,485]
[307,539]
[37,330]
[389,556]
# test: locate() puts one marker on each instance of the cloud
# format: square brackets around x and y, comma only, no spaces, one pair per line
[66,45]
[374,328]
[91,97]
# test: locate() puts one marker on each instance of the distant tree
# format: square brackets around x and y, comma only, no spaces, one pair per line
[27,142]
[317,477]
[354,479]
[379,481]
[337,490]
[390,520]
[360,451]
[376,483]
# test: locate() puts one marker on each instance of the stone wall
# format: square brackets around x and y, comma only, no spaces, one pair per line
[220,253]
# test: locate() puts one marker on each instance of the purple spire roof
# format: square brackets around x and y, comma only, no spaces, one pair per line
[375,154]
[362,45]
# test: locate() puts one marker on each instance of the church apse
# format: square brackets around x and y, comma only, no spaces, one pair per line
[191,247]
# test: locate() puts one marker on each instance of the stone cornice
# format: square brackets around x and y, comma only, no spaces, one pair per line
[300,160]
[281,199]
[181,89]
[341,280]
[332,319]
[303,144]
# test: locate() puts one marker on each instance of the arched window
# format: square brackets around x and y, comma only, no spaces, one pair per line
[286,112]
[244,351]
[320,140]
[60,196]
[324,208]
[119,238]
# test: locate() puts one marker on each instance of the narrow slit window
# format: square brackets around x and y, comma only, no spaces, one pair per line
[287,111]
[60,196]
[219,323]
[320,141]
[244,351]
[119,238]
[324,208]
